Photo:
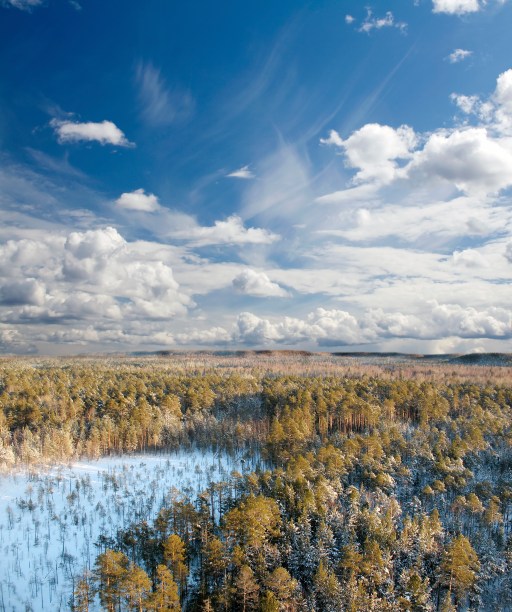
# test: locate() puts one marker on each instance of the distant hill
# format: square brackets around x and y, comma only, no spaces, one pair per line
[477,359]
[484,359]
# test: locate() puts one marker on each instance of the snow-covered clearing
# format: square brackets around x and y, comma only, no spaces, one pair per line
[50,519]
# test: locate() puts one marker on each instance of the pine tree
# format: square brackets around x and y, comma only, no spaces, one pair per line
[282,585]
[269,603]
[175,557]
[459,567]
[111,569]
[83,595]
[246,589]
[215,561]
[166,595]
[416,591]
[326,589]
[136,587]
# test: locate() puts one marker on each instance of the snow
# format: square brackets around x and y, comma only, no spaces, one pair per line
[50,519]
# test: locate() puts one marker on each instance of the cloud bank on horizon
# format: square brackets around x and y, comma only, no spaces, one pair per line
[375,212]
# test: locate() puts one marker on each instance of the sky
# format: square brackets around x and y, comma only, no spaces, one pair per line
[326,175]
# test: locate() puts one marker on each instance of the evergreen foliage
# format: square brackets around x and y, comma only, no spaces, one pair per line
[378,490]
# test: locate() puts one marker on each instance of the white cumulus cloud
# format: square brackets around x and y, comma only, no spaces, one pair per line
[470,258]
[104,132]
[508,252]
[230,232]
[374,150]
[138,200]
[496,111]
[456,7]
[257,284]
[468,322]
[19,292]
[470,159]
[94,277]
[324,327]
[214,336]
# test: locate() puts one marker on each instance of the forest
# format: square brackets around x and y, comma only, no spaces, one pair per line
[360,485]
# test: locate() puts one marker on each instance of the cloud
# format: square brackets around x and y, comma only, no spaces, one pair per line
[325,327]
[503,92]
[23,255]
[441,320]
[205,337]
[470,159]
[433,224]
[349,19]
[24,5]
[102,260]
[20,292]
[12,341]
[502,100]
[470,258]
[334,139]
[94,243]
[495,112]
[508,252]
[161,105]
[138,200]
[251,329]
[333,327]
[456,7]
[374,150]
[93,277]
[467,322]
[229,232]
[472,105]
[55,165]
[242,173]
[365,193]
[283,188]
[257,284]
[459,55]
[104,132]
[377,23]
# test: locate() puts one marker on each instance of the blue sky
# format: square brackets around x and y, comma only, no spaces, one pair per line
[325,175]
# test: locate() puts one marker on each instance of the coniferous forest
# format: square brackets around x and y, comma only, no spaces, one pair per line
[357,485]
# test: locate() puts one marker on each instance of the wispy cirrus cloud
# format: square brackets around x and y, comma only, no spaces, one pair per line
[105,132]
[24,5]
[242,173]
[160,104]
